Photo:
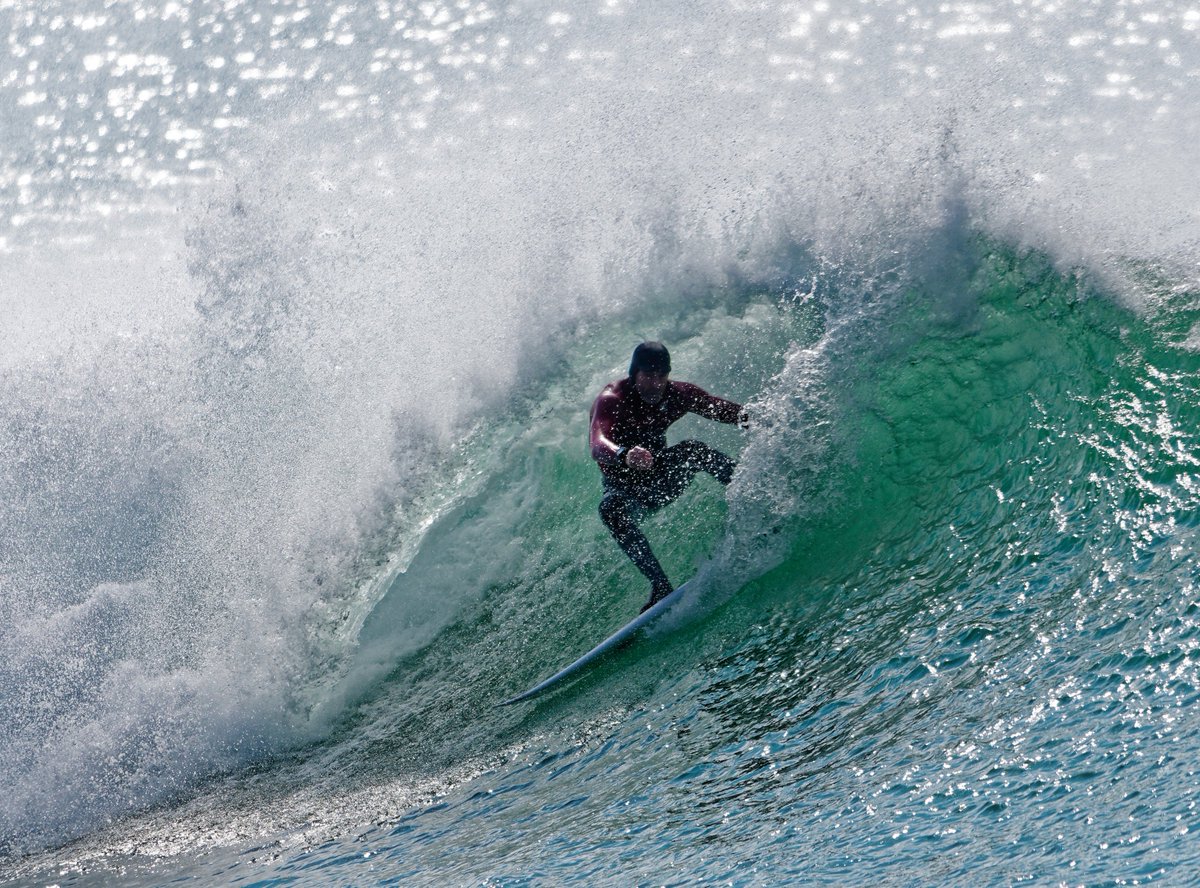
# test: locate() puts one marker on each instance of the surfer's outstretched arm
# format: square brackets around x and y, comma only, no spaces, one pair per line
[701,403]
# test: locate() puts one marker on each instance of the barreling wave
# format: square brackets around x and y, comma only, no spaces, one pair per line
[986,442]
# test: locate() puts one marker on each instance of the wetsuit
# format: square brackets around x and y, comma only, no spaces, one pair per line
[621,420]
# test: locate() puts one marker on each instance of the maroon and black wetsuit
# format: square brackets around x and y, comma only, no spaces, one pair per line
[621,420]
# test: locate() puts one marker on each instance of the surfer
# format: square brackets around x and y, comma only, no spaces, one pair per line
[641,473]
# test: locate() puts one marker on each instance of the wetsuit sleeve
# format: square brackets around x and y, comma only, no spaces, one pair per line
[698,401]
[604,449]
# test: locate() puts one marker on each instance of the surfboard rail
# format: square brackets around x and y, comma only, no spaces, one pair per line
[603,647]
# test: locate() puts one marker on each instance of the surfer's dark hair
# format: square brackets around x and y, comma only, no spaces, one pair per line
[652,357]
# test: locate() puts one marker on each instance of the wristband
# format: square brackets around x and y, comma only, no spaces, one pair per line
[621,451]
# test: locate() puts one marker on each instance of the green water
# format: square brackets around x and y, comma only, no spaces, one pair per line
[949,634]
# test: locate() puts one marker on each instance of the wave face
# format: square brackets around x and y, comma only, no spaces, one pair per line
[305,306]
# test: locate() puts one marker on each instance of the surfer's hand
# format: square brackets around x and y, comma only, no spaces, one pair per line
[639,458]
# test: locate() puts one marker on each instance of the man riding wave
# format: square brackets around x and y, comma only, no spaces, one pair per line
[641,474]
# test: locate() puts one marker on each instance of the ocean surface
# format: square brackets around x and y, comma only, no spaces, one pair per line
[302,308]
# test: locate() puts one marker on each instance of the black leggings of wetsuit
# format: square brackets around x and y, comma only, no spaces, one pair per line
[624,504]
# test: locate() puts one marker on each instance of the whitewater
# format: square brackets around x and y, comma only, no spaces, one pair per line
[302,308]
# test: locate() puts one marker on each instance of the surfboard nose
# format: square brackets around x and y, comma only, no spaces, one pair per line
[624,633]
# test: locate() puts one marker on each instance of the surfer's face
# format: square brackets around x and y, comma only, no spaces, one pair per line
[651,386]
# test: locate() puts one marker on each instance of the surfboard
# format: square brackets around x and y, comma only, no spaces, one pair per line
[603,647]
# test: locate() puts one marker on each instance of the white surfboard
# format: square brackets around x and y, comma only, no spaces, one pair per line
[603,647]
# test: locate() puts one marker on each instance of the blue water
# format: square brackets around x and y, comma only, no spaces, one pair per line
[303,309]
